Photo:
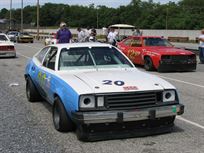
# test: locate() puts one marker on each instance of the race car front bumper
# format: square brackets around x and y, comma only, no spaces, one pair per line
[127,116]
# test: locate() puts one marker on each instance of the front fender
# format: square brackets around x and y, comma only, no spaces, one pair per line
[68,96]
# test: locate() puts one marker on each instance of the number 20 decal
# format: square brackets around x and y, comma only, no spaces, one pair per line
[110,82]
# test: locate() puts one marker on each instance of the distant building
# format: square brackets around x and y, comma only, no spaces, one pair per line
[5,24]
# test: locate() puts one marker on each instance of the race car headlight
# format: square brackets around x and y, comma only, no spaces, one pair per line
[87,102]
[169,96]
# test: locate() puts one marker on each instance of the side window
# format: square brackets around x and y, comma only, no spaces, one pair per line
[50,58]
[40,56]
[128,42]
[136,42]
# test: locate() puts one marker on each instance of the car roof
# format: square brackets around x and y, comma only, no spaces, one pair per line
[86,44]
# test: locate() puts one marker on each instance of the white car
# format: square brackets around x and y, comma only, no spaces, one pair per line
[95,88]
[7,48]
[51,39]
[13,35]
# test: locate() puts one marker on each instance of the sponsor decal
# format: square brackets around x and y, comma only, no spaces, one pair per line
[126,88]
[42,79]
[41,76]
[133,53]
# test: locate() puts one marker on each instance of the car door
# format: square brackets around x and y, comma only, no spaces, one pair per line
[47,73]
[36,68]
[135,50]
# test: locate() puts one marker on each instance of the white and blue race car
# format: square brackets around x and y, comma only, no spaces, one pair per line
[96,89]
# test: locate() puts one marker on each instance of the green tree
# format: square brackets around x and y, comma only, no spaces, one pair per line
[3,13]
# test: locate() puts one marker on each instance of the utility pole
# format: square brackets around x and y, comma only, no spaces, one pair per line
[97,17]
[10,14]
[37,19]
[21,15]
[167,12]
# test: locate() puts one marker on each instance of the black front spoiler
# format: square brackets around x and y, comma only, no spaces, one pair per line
[164,67]
[98,132]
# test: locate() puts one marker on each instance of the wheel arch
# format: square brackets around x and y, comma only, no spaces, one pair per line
[66,99]
[153,62]
[55,95]
[65,104]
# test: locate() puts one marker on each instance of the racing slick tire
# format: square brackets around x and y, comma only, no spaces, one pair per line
[61,119]
[148,64]
[31,91]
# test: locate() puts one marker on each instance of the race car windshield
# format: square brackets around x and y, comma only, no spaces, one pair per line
[157,42]
[89,58]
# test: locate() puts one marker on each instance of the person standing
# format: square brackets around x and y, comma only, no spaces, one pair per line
[137,32]
[112,36]
[201,47]
[63,34]
[81,35]
[87,33]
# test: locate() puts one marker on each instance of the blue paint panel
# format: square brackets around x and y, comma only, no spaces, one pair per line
[56,85]
[68,96]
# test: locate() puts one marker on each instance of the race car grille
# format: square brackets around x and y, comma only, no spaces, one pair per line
[178,58]
[132,100]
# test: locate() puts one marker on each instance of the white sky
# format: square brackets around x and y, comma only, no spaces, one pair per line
[109,3]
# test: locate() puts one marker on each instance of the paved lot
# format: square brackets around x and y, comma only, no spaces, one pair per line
[27,127]
[193,46]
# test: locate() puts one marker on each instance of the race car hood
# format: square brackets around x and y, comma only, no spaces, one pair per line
[168,50]
[109,81]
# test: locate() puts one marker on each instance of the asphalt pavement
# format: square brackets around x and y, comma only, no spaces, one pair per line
[27,127]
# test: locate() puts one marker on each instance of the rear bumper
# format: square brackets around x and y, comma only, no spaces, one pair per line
[127,116]
[177,67]
[7,53]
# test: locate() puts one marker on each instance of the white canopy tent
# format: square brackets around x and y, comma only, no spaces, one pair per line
[122,28]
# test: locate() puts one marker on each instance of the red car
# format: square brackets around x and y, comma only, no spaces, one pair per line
[157,53]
